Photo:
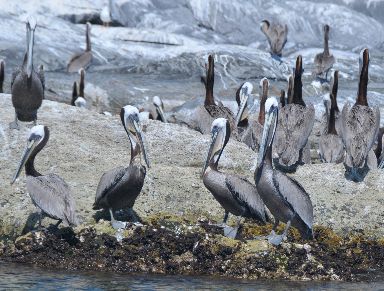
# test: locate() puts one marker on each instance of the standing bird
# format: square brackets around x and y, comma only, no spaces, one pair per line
[285,197]
[82,59]
[234,193]
[360,127]
[282,98]
[242,96]
[276,34]
[49,192]
[78,99]
[27,86]
[158,103]
[118,188]
[1,76]
[331,147]
[324,61]
[252,135]
[105,14]
[294,127]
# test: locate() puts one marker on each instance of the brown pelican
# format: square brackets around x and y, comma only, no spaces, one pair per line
[78,99]
[276,34]
[285,197]
[234,193]
[27,86]
[154,111]
[242,96]
[324,61]
[49,192]
[294,127]
[252,135]
[331,147]
[282,98]
[290,90]
[82,59]
[105,14]
[118,188]
[360,127]
[379,152]
[1,75]
[158,103]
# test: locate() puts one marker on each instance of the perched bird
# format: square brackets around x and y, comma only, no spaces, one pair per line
[78,98]
[242,96]
[331,147]
[50,193]
[234,193]
[324,61]
[285,197]
[252,135]
[1,76]
[105,14]
[118,188]
[82,59]
[154,111]
[294,127]
[282,98]
[276,34]
[158,103]
[290,90]
[27,86]
[360,127]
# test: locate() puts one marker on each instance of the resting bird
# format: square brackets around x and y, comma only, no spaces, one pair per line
[234,193]
[118,188]
[331,147]
[360,127]
[276,34]
[324,61]
[285,197]
[50,193]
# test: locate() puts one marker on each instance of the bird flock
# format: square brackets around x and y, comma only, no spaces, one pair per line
[279,133]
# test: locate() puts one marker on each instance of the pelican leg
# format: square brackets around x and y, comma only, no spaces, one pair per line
[115,223]
[276,239]
[224,223]
[14,124]
[135,219]
[231,232]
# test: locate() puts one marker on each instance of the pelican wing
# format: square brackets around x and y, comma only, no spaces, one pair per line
[278,35]
[246,194]
[53,196]
[331,148]
[296,196]
[217,111]
[109,180]
[78,61]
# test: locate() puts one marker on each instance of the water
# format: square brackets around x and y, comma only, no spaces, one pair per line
[17,276]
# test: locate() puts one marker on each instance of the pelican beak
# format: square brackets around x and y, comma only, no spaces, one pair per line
[30,50]
[27,152]
[268,133]
[161,113]
[243,103]
[139,134]
[210,151]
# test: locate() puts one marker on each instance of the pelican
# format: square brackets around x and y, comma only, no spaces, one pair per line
[379,152]
[252,135]
[294,127]
[276,34]
[50,193]
[79,100]
[282,98]
[158,103]
[234,193]
[105,14]
[360,127]
[290,90]
[324,61]
[27,86]
[331,147]
[118,188]
[1,75]
[242,96]
[285,197]
[82,59]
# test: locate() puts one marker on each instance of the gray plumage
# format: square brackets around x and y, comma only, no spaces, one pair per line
[324,61]
[276,34]
[82,59]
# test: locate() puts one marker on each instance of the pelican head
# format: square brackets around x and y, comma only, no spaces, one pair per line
[159,107]
[242,99]
[271,114]
[220,132]
[130,118]
[38,137]
[31,26]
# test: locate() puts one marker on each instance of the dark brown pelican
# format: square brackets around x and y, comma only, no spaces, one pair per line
[294,127]
[50,193]
[242,96]
[27,86]
[276,34]
[324,61]
[290,90]
[285,197]
[1,76]
[78,98]
[282,98]
[331,147]
[252,135]
[118,188]
[82,59]
[360,127]
[234,193]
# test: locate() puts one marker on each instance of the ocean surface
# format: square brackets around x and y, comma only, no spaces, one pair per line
[22,277]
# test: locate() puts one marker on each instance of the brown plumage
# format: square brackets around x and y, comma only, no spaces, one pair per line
[276,34]
[82,59]
[324,61]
